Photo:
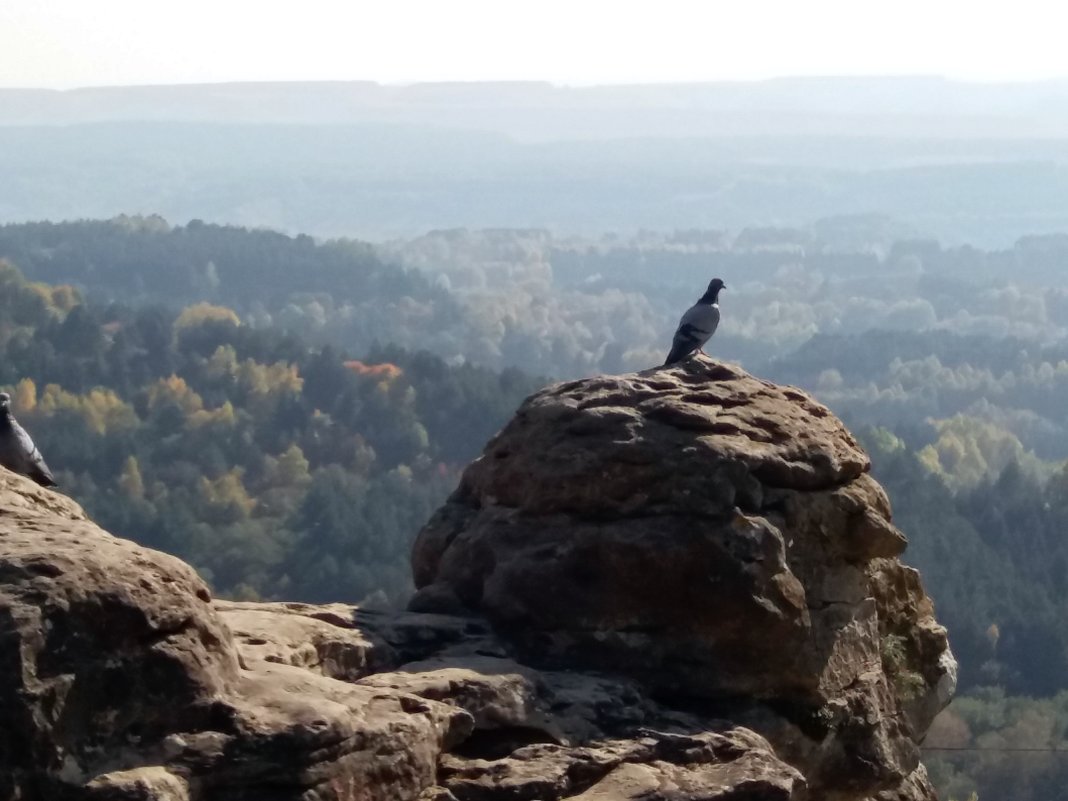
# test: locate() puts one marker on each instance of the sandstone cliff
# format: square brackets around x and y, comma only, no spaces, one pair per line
[680,584]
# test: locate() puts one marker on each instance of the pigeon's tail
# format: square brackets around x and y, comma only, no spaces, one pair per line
[678,353]
[43,477]
[39,471]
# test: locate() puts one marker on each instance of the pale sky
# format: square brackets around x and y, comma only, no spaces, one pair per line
[73,43]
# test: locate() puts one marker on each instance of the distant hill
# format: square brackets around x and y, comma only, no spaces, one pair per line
[978,163]
[382,181]
[147,259]
[908,107]
[340,291]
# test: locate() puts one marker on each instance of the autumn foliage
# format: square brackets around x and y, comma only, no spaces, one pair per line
[385,371]
[278,469]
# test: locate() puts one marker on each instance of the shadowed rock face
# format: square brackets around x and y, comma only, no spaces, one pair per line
[672,586]
[85,671]
[718,539]
[120,680]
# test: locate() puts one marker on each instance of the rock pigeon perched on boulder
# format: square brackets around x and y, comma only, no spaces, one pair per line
[697,324]
[17,451]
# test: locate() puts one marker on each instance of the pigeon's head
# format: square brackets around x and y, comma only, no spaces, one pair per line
[712,294]
[5,401]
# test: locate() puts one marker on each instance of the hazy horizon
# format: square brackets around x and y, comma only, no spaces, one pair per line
[388,121]
[70,44]
[1007,82]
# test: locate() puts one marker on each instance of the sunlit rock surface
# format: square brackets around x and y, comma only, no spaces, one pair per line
[680,584]
[718,539]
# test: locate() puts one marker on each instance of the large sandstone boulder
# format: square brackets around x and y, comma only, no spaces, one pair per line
[717,538]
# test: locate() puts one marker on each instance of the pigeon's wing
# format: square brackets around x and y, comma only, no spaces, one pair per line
[696,326]
[32,463]
[702,321]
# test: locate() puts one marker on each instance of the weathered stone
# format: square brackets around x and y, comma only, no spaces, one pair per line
[732,764]
[322,639]
[138,784]
[297,732]
[120,681]
[917,787]
[516,705]
[639,574]
[497,693]
[436,793]
[415,635]
[751,779]
[105,644]
[698,439]
[715,537]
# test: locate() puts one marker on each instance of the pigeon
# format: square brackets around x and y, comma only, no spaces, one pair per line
[697,325]
[17,451]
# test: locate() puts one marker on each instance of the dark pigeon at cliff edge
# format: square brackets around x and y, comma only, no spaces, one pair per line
[17,451]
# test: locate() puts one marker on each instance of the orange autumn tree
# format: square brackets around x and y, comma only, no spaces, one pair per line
[385,371]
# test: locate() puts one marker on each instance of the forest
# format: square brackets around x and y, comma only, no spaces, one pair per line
[284,413]
[278,469]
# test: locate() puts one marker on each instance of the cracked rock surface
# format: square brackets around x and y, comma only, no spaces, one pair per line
[718,539]
[668,586]
[120,680]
